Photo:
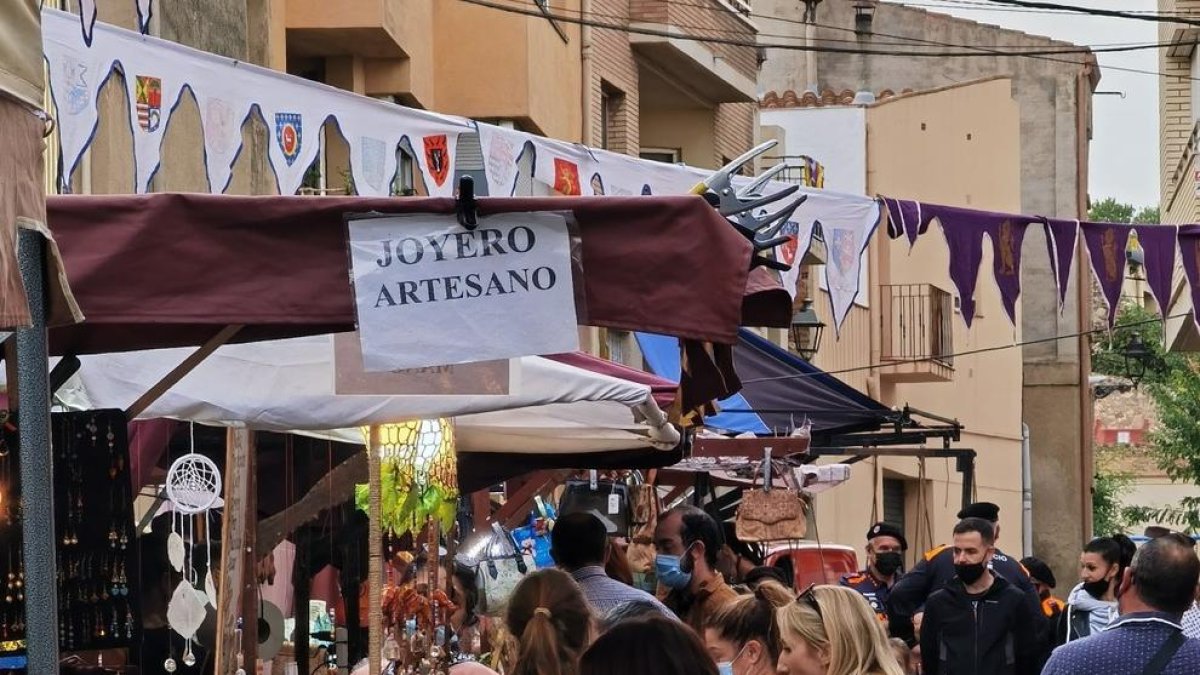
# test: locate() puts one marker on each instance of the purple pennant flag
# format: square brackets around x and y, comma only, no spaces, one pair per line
[1158,245]
[965,230]
[1189,254]
[1106,243]
[1061,237]
[905,219]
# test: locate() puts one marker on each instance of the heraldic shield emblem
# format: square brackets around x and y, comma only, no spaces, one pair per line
[148,102]
[289,133]
[437,158]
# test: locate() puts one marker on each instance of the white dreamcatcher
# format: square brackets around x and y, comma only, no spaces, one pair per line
[193,488]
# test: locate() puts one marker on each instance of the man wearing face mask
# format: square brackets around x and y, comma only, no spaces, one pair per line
[979,624]
[687,541]
[936,569]
[885,556]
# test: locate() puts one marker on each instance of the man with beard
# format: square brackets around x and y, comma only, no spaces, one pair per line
[936,569]
[979,624]
[885,556]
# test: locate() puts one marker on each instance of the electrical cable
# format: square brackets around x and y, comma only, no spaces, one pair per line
[969,352]
[1045,54]
[1093,11]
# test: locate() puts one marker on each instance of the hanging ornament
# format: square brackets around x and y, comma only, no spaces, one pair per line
[419,475]
[175,551]
[185,611]
[193,484]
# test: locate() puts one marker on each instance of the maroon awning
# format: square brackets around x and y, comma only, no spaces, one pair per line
[167,270]
[662,389]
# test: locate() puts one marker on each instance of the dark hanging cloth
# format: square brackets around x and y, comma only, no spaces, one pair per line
[965,230]
[707,375]
[1107,243]
[905,219]
[1061,239]
[1158,245]
[1189,254]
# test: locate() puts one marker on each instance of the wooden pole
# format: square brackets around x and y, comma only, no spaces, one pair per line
[250,599]
[374,557]
[238,522]
[179,372]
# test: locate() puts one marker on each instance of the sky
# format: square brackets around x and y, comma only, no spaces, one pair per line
[1124,151]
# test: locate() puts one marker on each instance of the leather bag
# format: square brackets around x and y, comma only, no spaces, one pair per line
[608,501]
[771,515]
[498,574]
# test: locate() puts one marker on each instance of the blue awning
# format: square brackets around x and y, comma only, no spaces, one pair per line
[780,390]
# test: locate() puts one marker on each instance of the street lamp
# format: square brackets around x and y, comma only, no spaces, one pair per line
[864,17]
[806,330]
[1137,357]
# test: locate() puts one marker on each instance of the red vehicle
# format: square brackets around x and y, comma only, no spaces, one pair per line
[813,564]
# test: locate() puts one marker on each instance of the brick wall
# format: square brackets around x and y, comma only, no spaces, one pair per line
[1176,122]
[734,128]
[613,66]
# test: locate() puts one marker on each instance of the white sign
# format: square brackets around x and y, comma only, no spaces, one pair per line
[429,292]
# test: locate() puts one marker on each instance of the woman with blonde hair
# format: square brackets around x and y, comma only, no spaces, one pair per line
[832,630]
[740,635]
[552,624]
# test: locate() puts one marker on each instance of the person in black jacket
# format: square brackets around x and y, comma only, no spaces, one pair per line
[979,624]
[936,569]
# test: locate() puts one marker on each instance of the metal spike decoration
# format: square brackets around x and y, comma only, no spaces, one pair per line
[739,205]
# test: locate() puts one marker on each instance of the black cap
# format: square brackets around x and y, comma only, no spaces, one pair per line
[887,530]
[1039,571]
[985,510]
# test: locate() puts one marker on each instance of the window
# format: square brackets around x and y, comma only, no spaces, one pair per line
[1123,438]
[612,118]
[616,344]
[665,155]
[893,502]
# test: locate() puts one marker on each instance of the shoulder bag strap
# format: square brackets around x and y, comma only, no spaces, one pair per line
[1165,653]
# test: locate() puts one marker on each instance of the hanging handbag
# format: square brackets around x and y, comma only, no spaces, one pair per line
[605,499]
[498,574]
[534,538]
[643,501]
[771,515]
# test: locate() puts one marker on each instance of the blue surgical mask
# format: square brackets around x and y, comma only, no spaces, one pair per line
[726,667]
[669,574]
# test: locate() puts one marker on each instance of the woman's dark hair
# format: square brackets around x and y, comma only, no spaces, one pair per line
[551,620]
[470,599]
[752,617]
[629,611]
[651,646]
[1115,550]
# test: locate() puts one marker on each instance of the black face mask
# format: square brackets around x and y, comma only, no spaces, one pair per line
[1097,589]
[970,573]
[887,563]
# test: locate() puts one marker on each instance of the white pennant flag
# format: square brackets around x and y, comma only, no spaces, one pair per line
[145,10]
[76,74]
[87,19]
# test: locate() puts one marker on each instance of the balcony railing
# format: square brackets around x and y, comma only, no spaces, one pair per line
[916,324]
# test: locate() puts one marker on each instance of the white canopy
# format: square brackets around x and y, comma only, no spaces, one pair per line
[288,386]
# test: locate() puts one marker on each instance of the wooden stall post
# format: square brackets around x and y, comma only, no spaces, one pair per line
[374,557]
[239,524]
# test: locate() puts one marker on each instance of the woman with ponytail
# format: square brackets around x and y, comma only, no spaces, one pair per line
[739,635]
[1092,605]
[551,622]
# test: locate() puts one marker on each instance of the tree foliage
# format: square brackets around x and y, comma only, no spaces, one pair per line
[1108,514]
[1109,210]
[1108,353]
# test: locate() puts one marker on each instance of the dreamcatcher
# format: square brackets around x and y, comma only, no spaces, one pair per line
[193,487]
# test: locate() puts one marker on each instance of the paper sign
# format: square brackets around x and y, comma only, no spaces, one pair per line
[429,292]
[487,378]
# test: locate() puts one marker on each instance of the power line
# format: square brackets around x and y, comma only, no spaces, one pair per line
[987,5]
[969,352]
[1092,11]
[736,42]
[900,40]
[1046,55]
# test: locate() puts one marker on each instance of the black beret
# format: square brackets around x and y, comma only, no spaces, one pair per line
[1039,571]
[985,510]
[887,530]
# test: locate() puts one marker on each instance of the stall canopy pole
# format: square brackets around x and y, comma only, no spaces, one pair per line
[37,466]
[238,442]
[374,555]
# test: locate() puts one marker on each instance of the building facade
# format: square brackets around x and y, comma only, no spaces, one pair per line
[964,138]
[1053,99]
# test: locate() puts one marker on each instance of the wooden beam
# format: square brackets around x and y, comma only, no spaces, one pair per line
[481,508]
[188,365]
[233,569]
[674,494]
[519,502]
[335,488]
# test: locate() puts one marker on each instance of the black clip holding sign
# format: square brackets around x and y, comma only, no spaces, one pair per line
[466,209]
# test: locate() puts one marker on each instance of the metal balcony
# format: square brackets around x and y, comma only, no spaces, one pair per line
[916,333]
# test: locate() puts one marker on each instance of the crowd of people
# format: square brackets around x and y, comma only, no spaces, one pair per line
[966,608]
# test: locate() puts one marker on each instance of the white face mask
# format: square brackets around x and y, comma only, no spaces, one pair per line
[726,667]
